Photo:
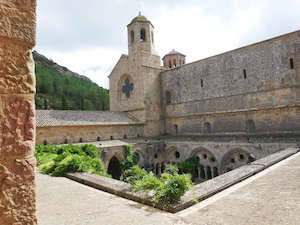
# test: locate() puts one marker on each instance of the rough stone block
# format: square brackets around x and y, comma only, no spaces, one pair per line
[18,128]
[16,69]
[17,201]
[19,23]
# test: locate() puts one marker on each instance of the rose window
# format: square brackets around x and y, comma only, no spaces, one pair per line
[127,88]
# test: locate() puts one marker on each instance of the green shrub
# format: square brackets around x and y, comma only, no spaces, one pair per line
[188,165]
[148,182]
[171,169]
[130,158]
[172,187]
[56,161]
[168,188]
[133,174]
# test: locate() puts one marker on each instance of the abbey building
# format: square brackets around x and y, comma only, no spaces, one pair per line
[254,89]
[225,110]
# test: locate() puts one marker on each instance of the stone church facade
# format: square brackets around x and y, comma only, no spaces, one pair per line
[224,109]
[254,89]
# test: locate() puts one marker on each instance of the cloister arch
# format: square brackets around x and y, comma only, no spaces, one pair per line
[174,155]
[208,164]
[159,162]
[233,159]
[142,157]
[114,168]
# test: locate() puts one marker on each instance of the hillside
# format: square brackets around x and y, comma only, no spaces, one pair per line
[59,88]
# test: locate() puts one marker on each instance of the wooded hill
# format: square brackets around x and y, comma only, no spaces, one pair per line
[59,88]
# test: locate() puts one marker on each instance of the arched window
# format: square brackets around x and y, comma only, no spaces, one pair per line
[174,63]
[152,36]
[168,97]
[132,36]
[207,128]
[176,129]
[250,126]
[170,64]
[143,35]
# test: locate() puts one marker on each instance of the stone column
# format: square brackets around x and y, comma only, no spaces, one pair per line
[17,112]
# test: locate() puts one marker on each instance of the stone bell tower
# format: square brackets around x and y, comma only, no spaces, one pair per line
[134,81]
[141,36]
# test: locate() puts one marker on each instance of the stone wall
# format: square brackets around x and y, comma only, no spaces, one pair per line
[17,112]
[76,134]
[259,83]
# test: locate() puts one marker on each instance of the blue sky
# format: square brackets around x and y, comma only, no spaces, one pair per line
[89,36]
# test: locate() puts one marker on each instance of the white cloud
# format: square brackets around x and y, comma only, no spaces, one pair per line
[89,37]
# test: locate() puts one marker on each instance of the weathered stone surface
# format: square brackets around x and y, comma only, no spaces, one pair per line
[19,24]
[17,186]
[16,69]
[20,4]
[18,132]
[17,112]
[256,82]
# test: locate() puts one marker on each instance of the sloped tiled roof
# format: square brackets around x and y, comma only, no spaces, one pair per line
[50,118]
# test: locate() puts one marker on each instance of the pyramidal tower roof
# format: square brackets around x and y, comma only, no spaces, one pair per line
[173,52]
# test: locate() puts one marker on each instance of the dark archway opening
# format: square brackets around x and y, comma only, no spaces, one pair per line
[114,168]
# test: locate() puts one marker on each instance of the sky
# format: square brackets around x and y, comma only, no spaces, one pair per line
[88,37]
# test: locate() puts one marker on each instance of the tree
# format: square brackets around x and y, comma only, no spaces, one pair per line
[64,104]
[87,105]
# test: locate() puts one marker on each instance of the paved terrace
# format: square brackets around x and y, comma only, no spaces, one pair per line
[269,197]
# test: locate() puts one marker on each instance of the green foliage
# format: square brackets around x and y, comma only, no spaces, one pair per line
[148,182]
[188,166]
[130,158]
[172,187]
[56,161]
[171,169]
[133,174]
[63,92]
[168,188]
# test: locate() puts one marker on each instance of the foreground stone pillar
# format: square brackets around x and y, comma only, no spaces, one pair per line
[17,112]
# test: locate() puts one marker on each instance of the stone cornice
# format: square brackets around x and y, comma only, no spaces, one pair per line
[249,111]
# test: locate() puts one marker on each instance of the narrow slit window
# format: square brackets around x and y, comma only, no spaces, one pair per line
[201,83]
[132,36]
[291,63]
[168,97]
[245,74]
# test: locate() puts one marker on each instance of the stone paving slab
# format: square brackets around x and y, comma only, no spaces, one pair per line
[269,197]
[198,193]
